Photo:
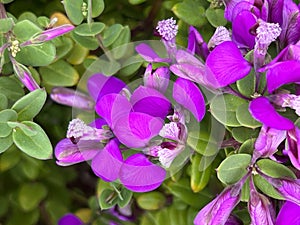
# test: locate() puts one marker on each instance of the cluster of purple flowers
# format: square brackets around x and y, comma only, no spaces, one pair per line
[145,120]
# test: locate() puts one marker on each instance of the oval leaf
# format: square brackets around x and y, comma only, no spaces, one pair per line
[5,116]
[59,73]
[37,146]
[233,168]
[30,105]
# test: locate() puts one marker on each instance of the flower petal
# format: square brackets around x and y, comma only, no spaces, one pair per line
[241,26]
[112,106]
[196,44]
[70,219]
[140,175]
[136,129]
[263,111]
[149,54]
[100,85]
[68,153]
[189,96]
[282,73]
[293,140]
[107,163]
[150,101]
[288,214]
[226,64]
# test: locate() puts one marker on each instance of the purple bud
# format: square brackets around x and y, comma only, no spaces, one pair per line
[158,80]
[293,146]
[267,142]
[218,211]
[70,97]
[24,75]
[288,214]
[196,44]
[221,34]
[49,34]
[260,209]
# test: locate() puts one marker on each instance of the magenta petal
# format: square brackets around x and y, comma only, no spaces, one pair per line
[282,73]
[149,54]
[68,153]
[70,219]
[293,140]
[107,163]
[136,129]
[263,111]
[112,106]
[288,214]
[189,95]
[138,174]
[100,85]
[226,64]
[241,29]
[150,101]
[230,6]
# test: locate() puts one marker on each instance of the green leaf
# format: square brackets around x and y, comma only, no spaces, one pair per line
[6,25]
[202,142]
[59,73]
[20,217]
[245,118]
[63,46]
[30,105]
[241,134]
[107,199]
[11,88]
[28,16]
[111,34]
[126,197]
[5,143]
[248,146]
[97,7]
[25,29]
[3,102]
[246,86]
[224,107]
[233,168]
[274,169]
[130,66]
[87,42]
[37,55]
[26,129]
[151,201]
[6,1]
[119,46]
[191,12]
[267,188]
[92,29]
[108,68]
[37,146]
[5,116]
[9,158]
[30,195]
[73,10]
[136,2]
[199,178]
[182,190]
[77,55]
[215,17]
[245,193]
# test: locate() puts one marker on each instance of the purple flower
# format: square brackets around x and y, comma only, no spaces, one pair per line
[289,188]
[49,34]
[196,44]
[267,141]
[70,219]
[159,79]
[260,209]
[288,214]
[70,97]
[218,211]
[24,75]
[293,147]
[221,35]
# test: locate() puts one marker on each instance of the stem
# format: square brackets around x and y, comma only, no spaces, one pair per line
[105,50]
[230,90]
[89,16]
[2,11]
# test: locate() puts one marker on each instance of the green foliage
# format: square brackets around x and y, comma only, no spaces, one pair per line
[233,168]
[151,201]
